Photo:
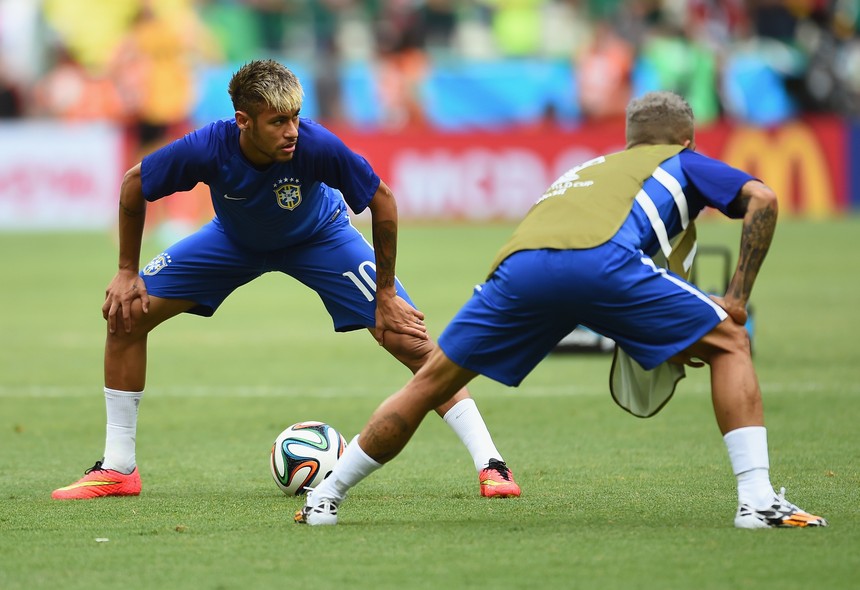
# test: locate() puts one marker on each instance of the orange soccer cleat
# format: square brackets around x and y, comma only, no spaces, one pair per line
[98,482]
[497,481]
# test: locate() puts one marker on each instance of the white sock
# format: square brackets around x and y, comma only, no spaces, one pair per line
[747,448]
[352,467]
[121,429]
[465,419]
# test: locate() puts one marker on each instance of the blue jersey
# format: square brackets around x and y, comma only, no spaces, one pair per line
[675,193]
[285,204]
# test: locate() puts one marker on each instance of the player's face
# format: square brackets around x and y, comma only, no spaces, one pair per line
[269,137]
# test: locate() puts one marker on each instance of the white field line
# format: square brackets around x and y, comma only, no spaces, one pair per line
[561,390]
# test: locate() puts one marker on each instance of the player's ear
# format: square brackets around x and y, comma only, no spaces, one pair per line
[243,120]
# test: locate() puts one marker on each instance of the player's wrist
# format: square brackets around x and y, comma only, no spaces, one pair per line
[388,293]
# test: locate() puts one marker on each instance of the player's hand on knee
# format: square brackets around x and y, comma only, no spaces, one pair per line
[396,315]
[120,295]
[737,310]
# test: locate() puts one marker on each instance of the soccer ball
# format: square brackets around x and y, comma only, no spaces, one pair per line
[304,454]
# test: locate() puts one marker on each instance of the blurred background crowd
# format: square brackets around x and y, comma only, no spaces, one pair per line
[161,66]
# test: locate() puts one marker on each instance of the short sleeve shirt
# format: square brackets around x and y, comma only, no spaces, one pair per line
[271,208]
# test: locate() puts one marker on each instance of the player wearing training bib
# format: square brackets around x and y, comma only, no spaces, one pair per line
[565,266]
[281,187]
[583,255]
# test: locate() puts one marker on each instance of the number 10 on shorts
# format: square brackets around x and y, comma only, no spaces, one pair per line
[365,283]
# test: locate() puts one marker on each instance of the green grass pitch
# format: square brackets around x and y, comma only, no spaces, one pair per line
[609,501]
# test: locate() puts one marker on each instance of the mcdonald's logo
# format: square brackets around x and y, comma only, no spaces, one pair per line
[791,162]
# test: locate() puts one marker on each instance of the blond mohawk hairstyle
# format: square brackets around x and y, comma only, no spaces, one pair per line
[659,118]
[265,83]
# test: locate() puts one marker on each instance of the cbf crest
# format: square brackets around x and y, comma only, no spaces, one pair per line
[289,196]
[157,263]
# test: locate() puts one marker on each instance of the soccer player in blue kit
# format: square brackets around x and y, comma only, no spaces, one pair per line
[280,187]
[583,255]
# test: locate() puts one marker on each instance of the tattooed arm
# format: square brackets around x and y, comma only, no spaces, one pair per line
[392,312]
[758,205]
[383,210]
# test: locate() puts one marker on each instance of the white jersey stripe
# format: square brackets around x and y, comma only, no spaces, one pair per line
[657,224]
[688,261]
[721,313]
[674,187]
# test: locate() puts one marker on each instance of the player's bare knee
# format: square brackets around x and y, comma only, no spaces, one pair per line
[736,335]
[411,351]
[728,337]
[140,325]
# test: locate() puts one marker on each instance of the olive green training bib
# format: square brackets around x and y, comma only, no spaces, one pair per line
[588,204]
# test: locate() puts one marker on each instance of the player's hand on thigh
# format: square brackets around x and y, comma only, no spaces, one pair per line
[394,314]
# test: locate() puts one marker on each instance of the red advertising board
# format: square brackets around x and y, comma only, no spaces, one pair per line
[68,178]
[498,175]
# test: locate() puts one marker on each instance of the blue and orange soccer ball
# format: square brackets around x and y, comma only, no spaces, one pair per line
[304,454]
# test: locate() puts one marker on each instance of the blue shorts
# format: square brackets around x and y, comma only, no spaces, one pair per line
[536,297]
[339,264]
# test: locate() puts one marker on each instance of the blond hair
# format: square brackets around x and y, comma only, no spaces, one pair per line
[265,83]
[659,118]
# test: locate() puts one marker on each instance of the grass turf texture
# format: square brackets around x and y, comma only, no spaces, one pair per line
[609,501]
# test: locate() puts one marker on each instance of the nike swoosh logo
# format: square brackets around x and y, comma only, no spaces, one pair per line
[492,482]
[88,484]
[229,198]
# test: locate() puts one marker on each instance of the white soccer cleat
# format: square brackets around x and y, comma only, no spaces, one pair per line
[781,513]
[317,512]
